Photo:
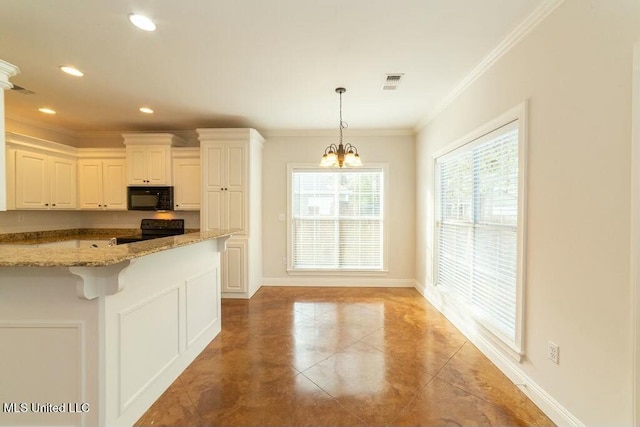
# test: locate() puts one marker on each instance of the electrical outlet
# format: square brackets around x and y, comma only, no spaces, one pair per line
[553,352]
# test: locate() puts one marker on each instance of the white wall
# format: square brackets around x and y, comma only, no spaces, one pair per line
[23,221]
[397,149]
[29,220]
[575,70]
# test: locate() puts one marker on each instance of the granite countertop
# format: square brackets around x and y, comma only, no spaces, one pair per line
[11,256]
[49,236]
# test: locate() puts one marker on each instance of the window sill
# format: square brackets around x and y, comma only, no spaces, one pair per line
[324,272]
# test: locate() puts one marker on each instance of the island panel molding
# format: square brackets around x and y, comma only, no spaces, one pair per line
[144,311]
[65,339]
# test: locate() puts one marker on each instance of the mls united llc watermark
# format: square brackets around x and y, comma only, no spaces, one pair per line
[35,407]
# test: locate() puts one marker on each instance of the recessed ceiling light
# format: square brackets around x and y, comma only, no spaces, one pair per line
[146,110]
[71,70]
[46,110]
[142,22]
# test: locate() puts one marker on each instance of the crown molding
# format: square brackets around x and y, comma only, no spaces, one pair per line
[101,153]
[42,126]
[17,140]
[228,134]
[191,136]
[7,70]
[183,134]
[518,33]
[137,138]
[334,132]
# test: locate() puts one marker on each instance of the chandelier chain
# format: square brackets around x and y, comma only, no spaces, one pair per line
[341,122]
[341,155]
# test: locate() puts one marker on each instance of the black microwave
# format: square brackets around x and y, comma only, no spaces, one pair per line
[150,198]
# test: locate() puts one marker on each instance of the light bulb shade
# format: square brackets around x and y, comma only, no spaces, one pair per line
[356,161]
[328,159]
[349,158]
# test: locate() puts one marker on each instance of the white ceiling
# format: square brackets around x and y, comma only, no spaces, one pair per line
[267,64]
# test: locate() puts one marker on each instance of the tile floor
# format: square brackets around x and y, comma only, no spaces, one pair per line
[343,357]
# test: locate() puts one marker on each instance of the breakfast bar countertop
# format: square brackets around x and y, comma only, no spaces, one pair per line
[113,325]
[13,256]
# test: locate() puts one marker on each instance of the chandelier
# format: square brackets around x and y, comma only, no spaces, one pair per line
[340,155]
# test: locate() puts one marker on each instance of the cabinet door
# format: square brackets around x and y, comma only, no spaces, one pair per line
[235,211]
[214,214]
[186,182]
[213,162]
[235,168]
[234,267]
[235,186]
[90,184]
[32,180]
[137,165]
[63,183]
[157,165]
[114,186]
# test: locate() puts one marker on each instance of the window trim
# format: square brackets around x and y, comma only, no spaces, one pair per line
[519,112]
[291,167]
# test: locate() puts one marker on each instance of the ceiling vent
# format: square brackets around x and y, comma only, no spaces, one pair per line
[22,90]
[392,81]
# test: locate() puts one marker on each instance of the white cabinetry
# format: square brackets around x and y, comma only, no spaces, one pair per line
[43,180]
[149,158]
[186,179]
[148,165]
[231,198]
[225,185]
[102,179]
[234,272]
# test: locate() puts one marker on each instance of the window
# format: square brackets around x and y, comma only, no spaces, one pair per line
[337,219]
[479,229]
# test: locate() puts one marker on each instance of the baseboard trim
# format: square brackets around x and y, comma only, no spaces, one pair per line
[550,406]
[366,282]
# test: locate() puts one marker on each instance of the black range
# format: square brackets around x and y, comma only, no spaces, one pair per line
[153,229]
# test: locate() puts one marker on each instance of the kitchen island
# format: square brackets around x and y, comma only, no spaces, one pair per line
[93,336]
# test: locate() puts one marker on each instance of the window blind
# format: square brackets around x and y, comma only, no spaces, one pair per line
[337,219]
[477,234]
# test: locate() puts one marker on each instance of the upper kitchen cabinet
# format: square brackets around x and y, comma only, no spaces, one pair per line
[225,185]
[186,179]
[149,158]
[102,179]
[40,174]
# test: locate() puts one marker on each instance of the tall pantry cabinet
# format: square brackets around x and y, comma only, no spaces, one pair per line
[231,168]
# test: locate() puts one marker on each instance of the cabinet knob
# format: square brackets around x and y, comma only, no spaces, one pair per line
[99,206]
[53,204]
[105,206]
[46,204]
